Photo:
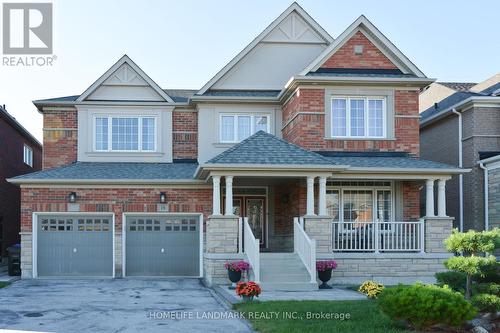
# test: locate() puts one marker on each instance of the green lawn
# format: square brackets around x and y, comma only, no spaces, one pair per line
[364,317]
[3,284]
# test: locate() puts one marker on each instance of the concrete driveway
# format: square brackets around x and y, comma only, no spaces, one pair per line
[121,305]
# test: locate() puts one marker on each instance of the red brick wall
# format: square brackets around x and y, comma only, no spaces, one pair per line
[117,200]
[308,130]
[59,138]
[185,134]
[411,201]
[371,57]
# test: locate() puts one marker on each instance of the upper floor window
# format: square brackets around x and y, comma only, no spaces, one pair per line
[125,134]
[235,128]
[28,155]
[359,117]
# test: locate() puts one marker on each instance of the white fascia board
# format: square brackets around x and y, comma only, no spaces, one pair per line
[293,7]
[490,162]
[135,67]
[409,170]
[459,106]
[363,22]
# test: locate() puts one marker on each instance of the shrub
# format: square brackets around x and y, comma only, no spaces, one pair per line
[454,280]
[423,306]
[486,302]
[487,288]
[371,288]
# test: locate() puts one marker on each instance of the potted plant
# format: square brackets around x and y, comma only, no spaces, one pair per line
[234,270]
[324,269]
[247,290]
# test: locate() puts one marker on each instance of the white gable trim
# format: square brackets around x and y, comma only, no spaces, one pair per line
[124,60]
[293,7]
[376,37]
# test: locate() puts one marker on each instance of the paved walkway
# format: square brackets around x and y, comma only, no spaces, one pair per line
[120,305]
[335,294]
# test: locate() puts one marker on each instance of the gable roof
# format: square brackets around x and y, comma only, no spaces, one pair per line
[458,86]
[264,148]
[376,37]
[293,7]
[124,60]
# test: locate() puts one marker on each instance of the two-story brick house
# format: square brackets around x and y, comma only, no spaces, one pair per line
[302,147]
[20,153]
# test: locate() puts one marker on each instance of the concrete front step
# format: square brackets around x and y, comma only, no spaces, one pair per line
[288,286]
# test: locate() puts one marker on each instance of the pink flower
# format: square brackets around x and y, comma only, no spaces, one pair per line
[325,265]
[237,266]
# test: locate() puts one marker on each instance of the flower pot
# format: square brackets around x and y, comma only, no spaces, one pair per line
[234,276]
[325,276]
[247,298]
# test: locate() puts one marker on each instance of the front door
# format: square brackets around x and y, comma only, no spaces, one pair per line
[253,207]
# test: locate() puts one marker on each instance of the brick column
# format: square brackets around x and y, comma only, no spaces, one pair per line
[437,229]
[320,229]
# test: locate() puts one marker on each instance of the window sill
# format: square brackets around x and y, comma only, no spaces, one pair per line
[123,153]
[359,139]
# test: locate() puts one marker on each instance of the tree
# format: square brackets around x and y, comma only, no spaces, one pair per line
[475,250]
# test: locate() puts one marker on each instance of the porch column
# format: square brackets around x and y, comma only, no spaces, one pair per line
[322,196]
[310,196]
[216,195]
[429,198]
[442,197]
[229,195]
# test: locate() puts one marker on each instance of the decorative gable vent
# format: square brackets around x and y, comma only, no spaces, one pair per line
[358,49]
[294,29]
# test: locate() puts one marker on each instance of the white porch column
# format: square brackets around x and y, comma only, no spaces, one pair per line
[429,198]
[442,198]
[310,196]
[229,195]
[216,195]
[322,196]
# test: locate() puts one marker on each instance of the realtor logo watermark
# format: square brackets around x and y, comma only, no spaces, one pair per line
[27,30]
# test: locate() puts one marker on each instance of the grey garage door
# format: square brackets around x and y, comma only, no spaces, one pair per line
[162,246]
[75,246]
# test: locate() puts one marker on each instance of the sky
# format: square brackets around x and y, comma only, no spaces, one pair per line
[183,43]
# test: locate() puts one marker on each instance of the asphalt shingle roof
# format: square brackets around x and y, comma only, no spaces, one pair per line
[265,148]
[180,95]
[356,72]
[242,93]
[458,86]
[387,162]
[446,103]
[115,170]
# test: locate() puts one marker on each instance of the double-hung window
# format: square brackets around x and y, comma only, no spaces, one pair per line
[358,117]
[125,133]
[235,128]
[28,155]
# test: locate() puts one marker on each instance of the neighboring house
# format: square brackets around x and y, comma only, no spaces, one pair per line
[301,136]
[20,153]
[463,128]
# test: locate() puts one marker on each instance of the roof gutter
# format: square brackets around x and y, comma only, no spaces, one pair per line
[486,196]
[58,181]
[232,99]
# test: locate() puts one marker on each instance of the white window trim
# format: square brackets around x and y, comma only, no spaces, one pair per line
[110,133]
[28,155]
[366,116]
[235,125]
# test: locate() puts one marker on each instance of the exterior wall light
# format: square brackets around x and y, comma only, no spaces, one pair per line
[72,197]
[163,197]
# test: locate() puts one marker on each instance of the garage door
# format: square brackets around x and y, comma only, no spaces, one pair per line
[165,245]
[75,246]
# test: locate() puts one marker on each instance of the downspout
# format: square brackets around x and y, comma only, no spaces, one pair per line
[460,165]
[486,196]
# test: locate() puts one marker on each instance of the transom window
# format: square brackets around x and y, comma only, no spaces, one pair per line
[358,117]
[235,128]
[125,133]
[28,155]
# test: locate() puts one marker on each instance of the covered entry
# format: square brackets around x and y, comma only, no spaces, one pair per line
[74,245]
[162,244]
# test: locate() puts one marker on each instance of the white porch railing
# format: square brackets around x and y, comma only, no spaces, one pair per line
[378,236]
[304,247]
[251,249]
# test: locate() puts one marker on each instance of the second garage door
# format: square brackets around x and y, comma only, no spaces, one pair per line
[163,245]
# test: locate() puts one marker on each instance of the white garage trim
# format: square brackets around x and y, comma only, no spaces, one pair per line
[34,230]
[124,242]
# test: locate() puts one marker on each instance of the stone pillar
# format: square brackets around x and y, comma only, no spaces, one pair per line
[216,195]
[429,198]
[229,195]
[320,229]
[442,198]
[310,196]
[437,229]
[322,197]
[26,255]
[222,234]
